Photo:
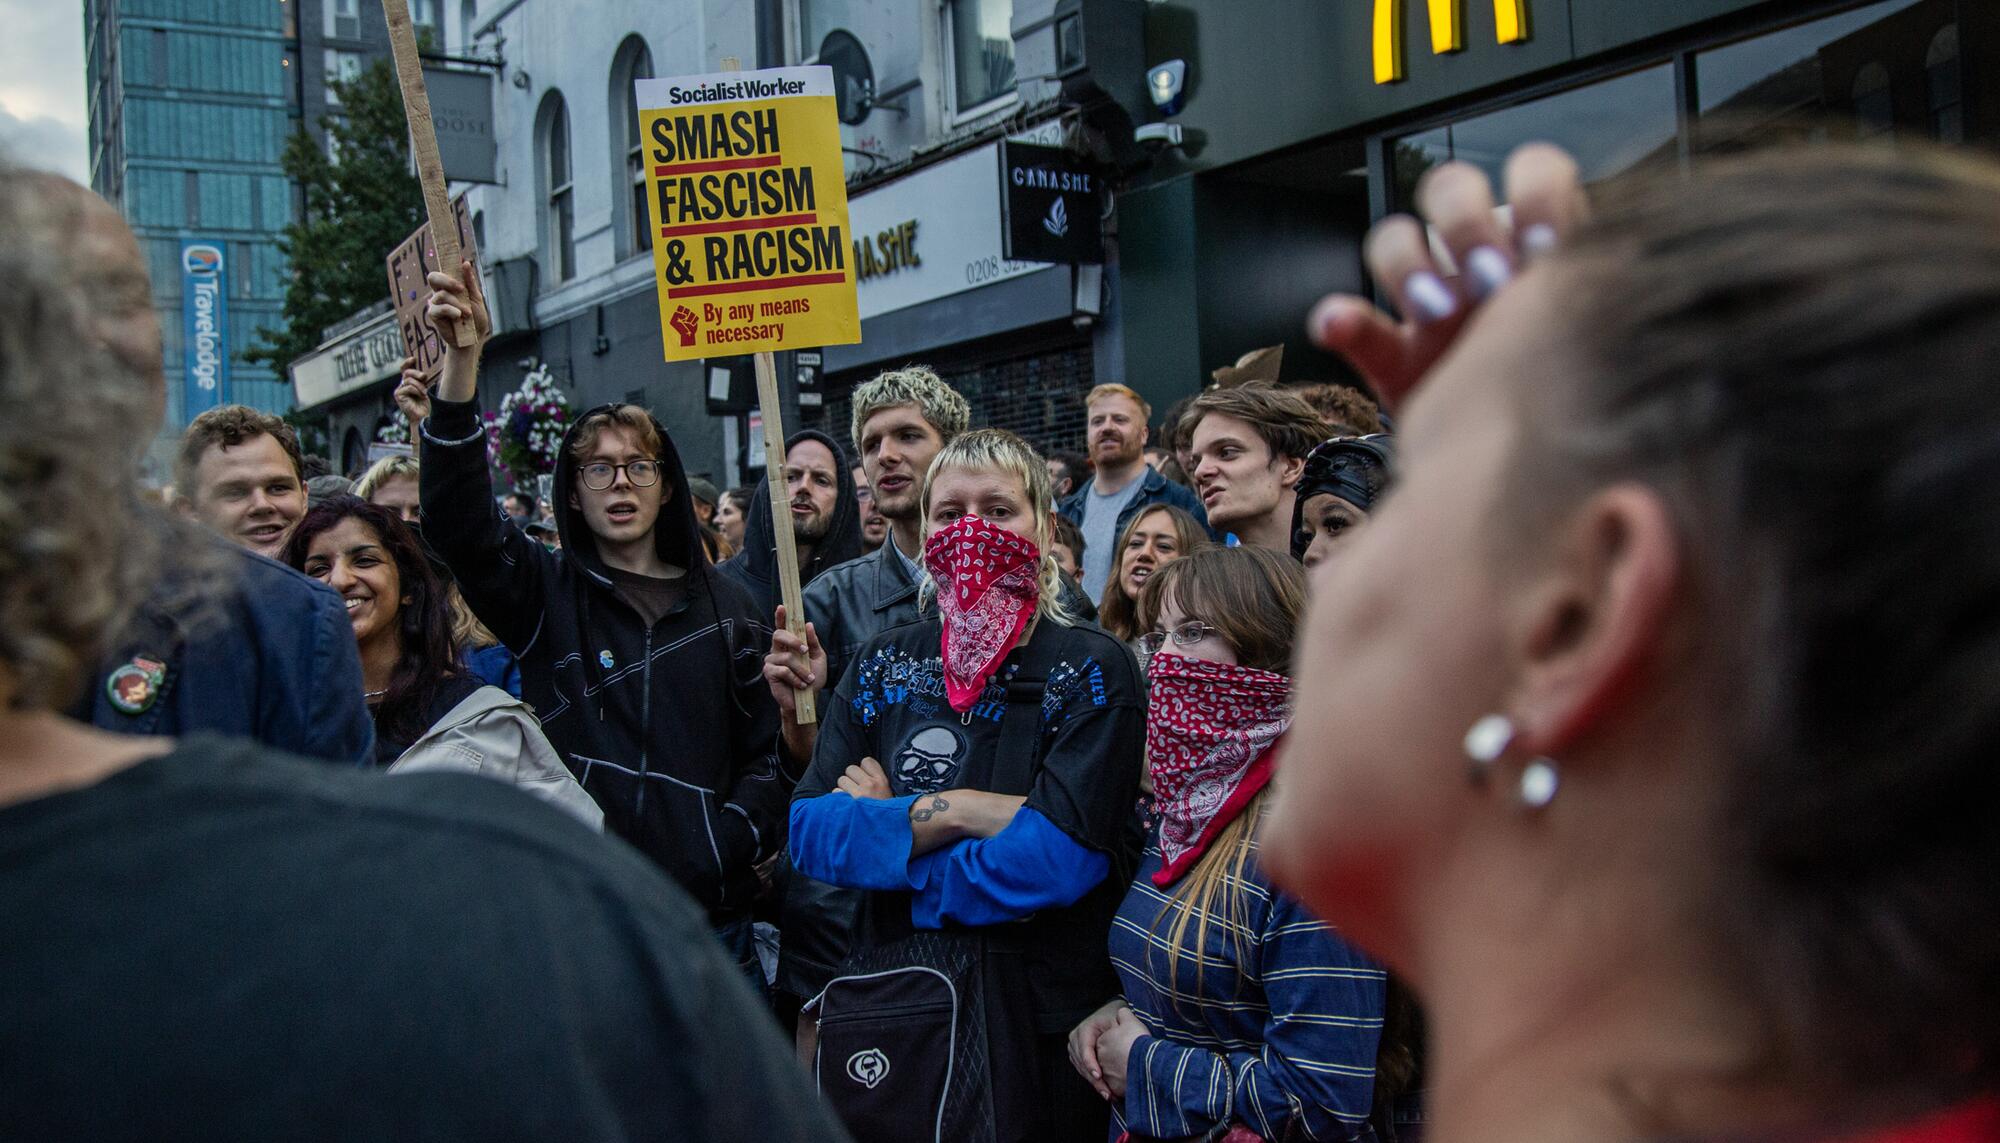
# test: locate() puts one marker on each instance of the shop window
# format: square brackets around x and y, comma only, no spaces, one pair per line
[633,62]
[1942,79]
[558,193]
[1610,126]
[982,52]
[1874,108]
[1794,84]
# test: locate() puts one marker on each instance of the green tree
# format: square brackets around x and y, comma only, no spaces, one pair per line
[357,208]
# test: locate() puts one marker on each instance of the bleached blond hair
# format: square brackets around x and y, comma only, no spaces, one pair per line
[997,450]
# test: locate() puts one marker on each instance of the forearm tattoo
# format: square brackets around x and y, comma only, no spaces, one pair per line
[925,813]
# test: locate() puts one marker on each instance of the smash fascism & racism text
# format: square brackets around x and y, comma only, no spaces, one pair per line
[721,180]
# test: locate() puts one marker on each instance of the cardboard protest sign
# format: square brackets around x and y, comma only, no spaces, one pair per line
[423,140]
[744,173]
[408,263]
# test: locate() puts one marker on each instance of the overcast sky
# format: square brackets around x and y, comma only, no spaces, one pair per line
[42,118]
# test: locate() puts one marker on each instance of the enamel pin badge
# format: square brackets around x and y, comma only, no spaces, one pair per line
[134,687]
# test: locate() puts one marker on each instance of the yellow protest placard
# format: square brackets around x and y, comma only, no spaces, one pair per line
[749,210]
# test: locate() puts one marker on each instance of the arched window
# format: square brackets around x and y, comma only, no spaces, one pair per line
[1941,71]
[468,19]
[559,215]
[633,62]
[1874,109]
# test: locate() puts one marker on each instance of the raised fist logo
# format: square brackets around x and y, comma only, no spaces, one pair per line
[684,323]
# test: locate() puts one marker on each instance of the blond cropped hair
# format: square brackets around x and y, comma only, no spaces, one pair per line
[382,472]
[936,401]
[997,450]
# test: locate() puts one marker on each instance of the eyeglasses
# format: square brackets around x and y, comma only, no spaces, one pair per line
[1185,635]
[598,476]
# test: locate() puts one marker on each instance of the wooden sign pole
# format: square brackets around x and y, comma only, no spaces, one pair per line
[424,146]
[781,500]
[781,516]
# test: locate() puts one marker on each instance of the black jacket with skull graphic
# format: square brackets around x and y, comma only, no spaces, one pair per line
[890,705]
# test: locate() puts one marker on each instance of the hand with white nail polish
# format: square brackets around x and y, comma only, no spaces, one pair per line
[1488,249]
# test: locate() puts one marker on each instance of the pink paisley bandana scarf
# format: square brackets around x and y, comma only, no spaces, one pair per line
[1211,733]
[989,581]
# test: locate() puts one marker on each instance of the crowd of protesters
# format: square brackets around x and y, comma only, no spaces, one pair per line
[1558,749]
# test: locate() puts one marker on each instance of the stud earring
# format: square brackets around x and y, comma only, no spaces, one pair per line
[1539,783]
[1485,743]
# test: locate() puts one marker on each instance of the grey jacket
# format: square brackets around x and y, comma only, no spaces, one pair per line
[851,603]
[495,735]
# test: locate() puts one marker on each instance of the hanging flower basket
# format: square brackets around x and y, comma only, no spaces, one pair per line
[526,435]
[396,431]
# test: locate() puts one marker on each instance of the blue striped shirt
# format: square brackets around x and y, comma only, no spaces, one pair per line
[1281,1039]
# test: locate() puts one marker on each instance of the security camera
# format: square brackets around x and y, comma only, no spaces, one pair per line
[1167,85]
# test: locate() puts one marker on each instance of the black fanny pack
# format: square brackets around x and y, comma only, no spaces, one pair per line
[902,1042]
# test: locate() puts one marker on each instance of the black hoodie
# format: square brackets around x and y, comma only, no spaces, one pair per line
[756,568]
[671,728]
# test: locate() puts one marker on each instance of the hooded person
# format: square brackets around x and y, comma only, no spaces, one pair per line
[1344,479]
[826,537]
[643,664]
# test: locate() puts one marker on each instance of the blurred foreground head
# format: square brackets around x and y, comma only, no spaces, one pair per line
[1706,506]
[80,392]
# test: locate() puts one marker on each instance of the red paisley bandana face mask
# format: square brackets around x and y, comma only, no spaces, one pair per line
[988,583]
[1211,729]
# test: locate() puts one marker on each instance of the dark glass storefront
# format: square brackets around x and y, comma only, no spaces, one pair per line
[1274,203]
[1883,72]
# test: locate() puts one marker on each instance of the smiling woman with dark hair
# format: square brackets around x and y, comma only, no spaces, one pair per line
[430,712]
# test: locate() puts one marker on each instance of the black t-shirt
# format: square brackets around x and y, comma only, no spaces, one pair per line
[226,943]
[454,690]
[653,597]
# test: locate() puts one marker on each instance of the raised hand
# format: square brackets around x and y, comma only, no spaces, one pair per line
[1546,202]
[793,665]
[413,395]
[457,297]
